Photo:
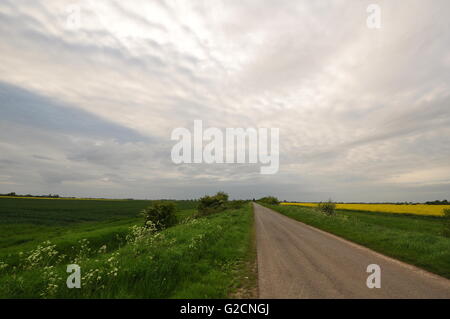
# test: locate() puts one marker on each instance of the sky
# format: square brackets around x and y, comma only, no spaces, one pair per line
[90,92]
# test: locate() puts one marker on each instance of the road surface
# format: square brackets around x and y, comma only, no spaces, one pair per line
[299,261]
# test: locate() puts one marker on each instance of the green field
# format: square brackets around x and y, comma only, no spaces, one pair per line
[414,239]
[204,257]
[24,223]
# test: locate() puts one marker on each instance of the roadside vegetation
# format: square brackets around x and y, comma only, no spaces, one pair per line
[212,204]
[328,208]
[446,222]
[414,239]
[160,215]
[172,252]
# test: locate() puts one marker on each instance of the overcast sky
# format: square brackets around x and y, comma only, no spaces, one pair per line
[88,109]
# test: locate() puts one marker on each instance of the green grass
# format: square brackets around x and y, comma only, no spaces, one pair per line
[246,274]
[414,239]
[59,212]
[25,222]
[202,258]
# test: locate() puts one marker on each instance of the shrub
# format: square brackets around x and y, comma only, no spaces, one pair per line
[160,215]
[222,196]
[212,204]
[329,208]
[446,221]
[271,200]
[236,204]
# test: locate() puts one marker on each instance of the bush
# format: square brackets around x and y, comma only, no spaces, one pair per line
[329,208]
[236,204]
[212,204]
[160,214]
[271,200]
[223,196]
[446,221]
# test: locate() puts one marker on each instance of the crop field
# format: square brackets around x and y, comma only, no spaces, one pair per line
[26,222]
[418,209]
[414,239]
[119,258]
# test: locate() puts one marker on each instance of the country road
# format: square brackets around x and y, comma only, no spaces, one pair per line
[298,261]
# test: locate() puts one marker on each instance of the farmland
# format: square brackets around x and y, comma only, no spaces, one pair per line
[417,209]
[118,257]
[414,239]
[26,222]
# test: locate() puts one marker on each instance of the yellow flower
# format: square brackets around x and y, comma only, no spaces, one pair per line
[419,209]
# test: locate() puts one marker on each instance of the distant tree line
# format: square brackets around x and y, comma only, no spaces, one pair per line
[13,194]
[438,202]
[271,200]
[211,201]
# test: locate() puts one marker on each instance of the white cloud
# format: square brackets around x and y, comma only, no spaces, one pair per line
[358,109]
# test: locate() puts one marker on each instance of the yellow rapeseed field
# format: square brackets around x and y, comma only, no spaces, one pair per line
[430,210]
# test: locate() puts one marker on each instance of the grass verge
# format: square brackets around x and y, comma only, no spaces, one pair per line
[200,258]
[246,277]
